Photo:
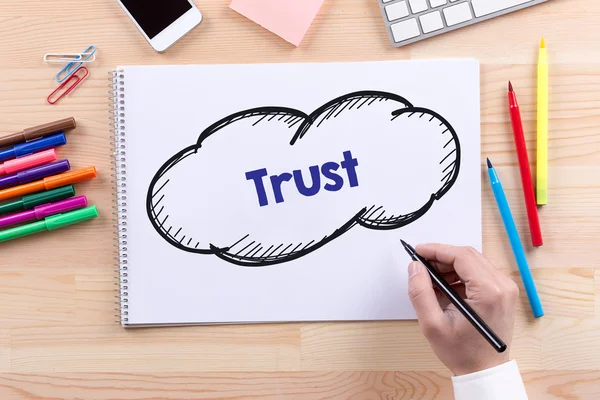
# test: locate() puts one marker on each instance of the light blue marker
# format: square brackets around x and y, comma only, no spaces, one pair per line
[515,242]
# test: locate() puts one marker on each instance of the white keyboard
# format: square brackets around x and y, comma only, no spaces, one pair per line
[409,21]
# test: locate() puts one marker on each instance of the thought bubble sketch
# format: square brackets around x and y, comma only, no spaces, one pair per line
[171,214]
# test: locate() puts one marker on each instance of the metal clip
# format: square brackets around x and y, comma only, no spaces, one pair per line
[74,76]
[61,58]
[73,66]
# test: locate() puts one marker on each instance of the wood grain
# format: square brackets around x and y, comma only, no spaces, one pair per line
[547,385]
[58,339]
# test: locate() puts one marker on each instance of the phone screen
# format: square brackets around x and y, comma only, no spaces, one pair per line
[154,16]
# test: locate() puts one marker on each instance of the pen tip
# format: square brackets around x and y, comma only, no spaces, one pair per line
[543,45]
[489,163]
[510,88]
[407,247]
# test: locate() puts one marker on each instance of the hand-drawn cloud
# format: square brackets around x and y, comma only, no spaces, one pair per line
[242,191]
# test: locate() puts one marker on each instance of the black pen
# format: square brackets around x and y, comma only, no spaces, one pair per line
[460,304]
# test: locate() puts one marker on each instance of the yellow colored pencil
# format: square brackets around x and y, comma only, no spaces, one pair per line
[542,128]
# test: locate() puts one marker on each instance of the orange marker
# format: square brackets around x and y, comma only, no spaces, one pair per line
[49,183]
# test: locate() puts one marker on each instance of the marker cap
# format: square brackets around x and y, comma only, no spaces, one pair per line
[40,145]
[50,223]
[51,182]
[52,127]
[71,177]
[36,173]
[50,196]
[34,160]
[38,131]
[29,202]
[60,207]
[73,217]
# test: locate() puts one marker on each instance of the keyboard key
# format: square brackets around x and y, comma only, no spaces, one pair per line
[405,30]
[408,21]
[431,22]
[485,7]
[459,13]
[397,10]
[418,5]
[437,3]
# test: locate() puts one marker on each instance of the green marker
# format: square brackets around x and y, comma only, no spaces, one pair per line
[50,224]
[38,199]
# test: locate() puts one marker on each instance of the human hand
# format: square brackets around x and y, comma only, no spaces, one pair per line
[488,291]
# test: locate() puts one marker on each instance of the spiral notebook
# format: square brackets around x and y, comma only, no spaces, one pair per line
[280,192]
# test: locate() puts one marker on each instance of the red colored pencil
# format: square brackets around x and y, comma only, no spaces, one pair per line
[532,213]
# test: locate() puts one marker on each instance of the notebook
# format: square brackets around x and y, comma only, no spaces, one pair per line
[280,192]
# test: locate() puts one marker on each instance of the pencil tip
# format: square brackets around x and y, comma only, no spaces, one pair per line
[543,45]
[510,88]
[403,242]
[489,163]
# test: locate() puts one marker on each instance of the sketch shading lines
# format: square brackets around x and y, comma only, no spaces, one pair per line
[330,107]
[247,249]
[453,156]
[447,155]
[161,188]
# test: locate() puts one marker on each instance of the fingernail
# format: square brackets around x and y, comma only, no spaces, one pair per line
[413,269]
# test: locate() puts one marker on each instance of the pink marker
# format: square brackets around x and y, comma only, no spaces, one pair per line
[46,210]
[22,163]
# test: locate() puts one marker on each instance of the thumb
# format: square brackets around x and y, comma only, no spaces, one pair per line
[423,298]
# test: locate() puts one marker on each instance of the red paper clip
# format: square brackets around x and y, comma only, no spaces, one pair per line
[78,79]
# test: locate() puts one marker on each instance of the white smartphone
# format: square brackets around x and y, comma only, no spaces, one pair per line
[162,22]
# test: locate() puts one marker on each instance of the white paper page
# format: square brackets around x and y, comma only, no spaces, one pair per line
[220,160]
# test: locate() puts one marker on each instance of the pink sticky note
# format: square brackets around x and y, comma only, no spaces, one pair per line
[289,19]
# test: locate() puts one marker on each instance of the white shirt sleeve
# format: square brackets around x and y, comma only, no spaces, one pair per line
[497,383]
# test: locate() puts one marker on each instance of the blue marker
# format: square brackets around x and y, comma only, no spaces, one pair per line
[515,242]
[35,146]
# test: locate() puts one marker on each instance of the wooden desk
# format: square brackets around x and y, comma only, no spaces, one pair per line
[57,335]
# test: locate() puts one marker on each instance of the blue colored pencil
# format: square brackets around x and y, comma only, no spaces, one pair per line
[515,242]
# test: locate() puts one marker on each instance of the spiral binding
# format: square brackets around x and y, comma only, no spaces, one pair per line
[119,179]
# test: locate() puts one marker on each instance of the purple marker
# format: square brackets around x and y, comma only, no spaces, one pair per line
[34,174]
[44,211]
